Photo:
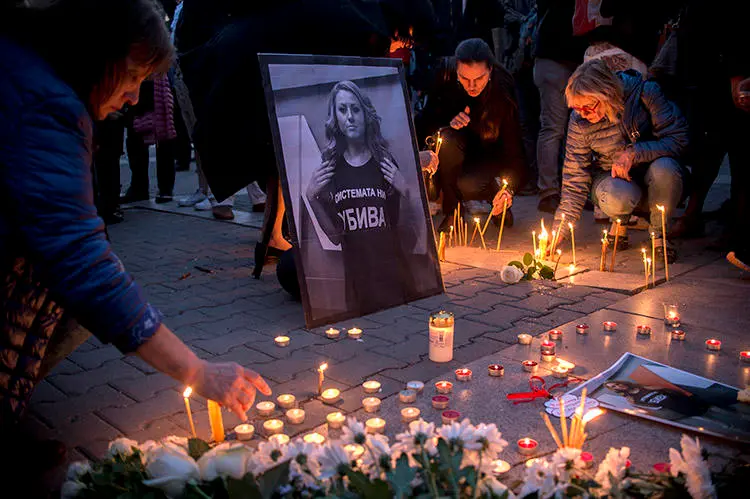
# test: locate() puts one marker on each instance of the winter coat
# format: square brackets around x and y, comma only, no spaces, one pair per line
[54,253]
[651,124]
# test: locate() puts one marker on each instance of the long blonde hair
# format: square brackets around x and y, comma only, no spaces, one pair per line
[595,80]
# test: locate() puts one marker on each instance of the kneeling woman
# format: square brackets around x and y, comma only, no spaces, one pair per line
[624,142]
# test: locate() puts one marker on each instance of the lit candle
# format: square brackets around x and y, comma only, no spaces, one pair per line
[524,339]
[286,401]
[244,431]
[664,239]
[643,329]
[440,402]
[444,387]
[375,425]
[355,451]
[533,240]
[417,386]
[609,326]
[450,417]
[495,370]
[548,357]
[273,426]
[321,376]
[614,248]
[560,372]
[279,438]
[582,329]
[215,421]
[713,344]
[500,467]
[573,242]
[745,356]
[547,347]
[678,334]
[543,237]
[555,335]
[587,459]
[330,395]
[605,243]
[463,374]
[335,420]
[355,333]
[409,414]
[371,386]
[265,408]
[333,333]
[282,341]
[407,396]
[295,416]
[527,446]
[529,366]
[441,328]
[671,315]
[314,438]
[186,396]
[371,404]
[566,364]
[653,259]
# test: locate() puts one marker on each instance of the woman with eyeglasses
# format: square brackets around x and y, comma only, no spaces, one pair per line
[624,142]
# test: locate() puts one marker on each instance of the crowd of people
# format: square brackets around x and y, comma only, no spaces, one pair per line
[615,105]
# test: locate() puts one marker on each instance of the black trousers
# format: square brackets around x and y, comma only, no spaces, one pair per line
[108,138]
[138,159]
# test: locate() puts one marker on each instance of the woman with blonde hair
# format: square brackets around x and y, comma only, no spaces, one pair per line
[623,145]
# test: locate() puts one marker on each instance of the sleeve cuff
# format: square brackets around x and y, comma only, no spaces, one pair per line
[141,332]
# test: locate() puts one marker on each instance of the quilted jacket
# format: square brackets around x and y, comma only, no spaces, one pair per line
[54,253]
[651,124]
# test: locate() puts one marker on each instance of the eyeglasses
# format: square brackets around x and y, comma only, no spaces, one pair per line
[585,109]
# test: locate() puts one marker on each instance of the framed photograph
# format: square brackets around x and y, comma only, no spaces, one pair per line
[352,185]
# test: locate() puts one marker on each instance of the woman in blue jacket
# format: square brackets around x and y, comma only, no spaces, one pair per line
[62,67]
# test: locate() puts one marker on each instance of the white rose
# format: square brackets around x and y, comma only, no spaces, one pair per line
[121,446]
[511,274]
[77,469]
[170,468]
[227,459]
[71,489]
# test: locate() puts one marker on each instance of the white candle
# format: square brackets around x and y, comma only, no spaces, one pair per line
[524,339]
[444,387]
[375,425]
[279,438]
[314,438]
[441,328]
[335,420]
[355,333]
[286,400]
[265,408]
[500,467]
[282,341]
[330,395]
[295,416]
[273,426]
[186,395]
[407,396]
[355,451]
[371,404]
[371,386]
[244,431]
[417,386]
[409,414]
[333,333]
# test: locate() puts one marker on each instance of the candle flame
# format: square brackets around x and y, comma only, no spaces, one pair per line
[559,252]
[188,391]
[660,207]
[543,234]
[323,367]
[570,226]
[564,363]
[571,268]
[618,221]
[505,182]
[653,235]
[476,220]
[643,250]
[648,260]
[592,414]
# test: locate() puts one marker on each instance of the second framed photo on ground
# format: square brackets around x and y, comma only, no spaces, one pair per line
[355,200]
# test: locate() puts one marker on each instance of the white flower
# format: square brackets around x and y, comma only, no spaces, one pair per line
[227,459]
[77,469]
[122,446]
[489,440]
[492,486]
[615,463]
[420,433]
[511,274]
[71,489]
[378,447]
[461,434]
[563,461]
[301,455]
[541,478]
[332,459]
[694,467]
[174,439]
[170,469]
[353,432]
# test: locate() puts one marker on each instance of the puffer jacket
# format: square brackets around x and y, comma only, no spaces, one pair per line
[54,253]
[651,124]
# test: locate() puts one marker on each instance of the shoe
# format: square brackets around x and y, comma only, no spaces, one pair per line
[549,204]
[742,261]
[133,197]
[687,228]
[192,199]
[671,251]
[623,241]
[113,218]
[161,199]
[205,205]
[223,212]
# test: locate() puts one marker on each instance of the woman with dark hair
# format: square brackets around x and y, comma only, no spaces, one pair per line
[356,195]
[63,66]
[473,105]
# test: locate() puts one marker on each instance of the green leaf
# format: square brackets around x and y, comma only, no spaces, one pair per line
[530,274]
[243,489]
[546,273]
[401,477]
[197,447]
[273,478]
[528,259]
[376,489]
[517,264]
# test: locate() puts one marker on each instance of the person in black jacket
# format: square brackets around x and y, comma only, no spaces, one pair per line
[473,106]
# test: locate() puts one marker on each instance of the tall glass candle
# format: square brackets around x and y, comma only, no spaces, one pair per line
[441,336]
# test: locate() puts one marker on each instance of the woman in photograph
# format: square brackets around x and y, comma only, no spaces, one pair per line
[356,195]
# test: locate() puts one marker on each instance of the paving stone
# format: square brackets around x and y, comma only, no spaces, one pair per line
[588,305]
[466,329]
[188,318]
[142,389]
[139,364]
[392,315]
[45,392]
[95,358]
[472,288]
[510,336]
[356,370]
[135,416]
[244,356]
[541,302]
[503,316]
[299,339]
[305,386]
[283,370]
[477,348]
[557,317]
[570,292]
[315,415]
[66,366]
[486,300]
[242,321]
[346,348]
[422,371]
[409,351]
[469,273]
[88,433]
[65,410]
[519,290]
[82,382]
[400,330]
[432,303]
[225,342]
[158,429]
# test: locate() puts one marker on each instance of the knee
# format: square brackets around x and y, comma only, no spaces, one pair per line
[664,172]
[469,186]
[452,151]
[617,197]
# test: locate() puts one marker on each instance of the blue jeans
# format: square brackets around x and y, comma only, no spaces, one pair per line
[661,181]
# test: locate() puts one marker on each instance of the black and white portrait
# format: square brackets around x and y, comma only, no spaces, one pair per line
[352,184]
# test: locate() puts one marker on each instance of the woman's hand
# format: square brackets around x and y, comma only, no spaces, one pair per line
[319,179]
[622,162]
[429,161]
[393,176]
[461,120]
[231,385]
[500,199]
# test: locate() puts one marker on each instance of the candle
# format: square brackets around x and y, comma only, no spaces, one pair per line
[371,386]
[265,408]
[440,402]
[547,347]
[662,468]
[567,365]
[671,314]
[355,451]
[643,330]
[371,404]
[286,401]
[441,326]
[527,446]
[331,395]
[745,356]
[502,224]
[375,425]
[609,326]
[678,334]
[605,243]
[664,239]
[215,421]
[444,387]
[354,333]
[573,241]
[713,344]
[407,396]
[587,459]
[533,241]
[449,417]
[279,438]
[409,414]
[495,370]
[555,334]
[244,431]
[321,376]
[451,242]
[273,426]
[548,357]
[543,237]
[582,329]
[282,341]
[186,396]
[560,372]
[314,438]
[417,386]
[653,259]
[463,374]
[529,366]
[335,420]
[500,467]
[524,339]
[333,333]
[614,248]
[295,416]
[645,265]
[556,237]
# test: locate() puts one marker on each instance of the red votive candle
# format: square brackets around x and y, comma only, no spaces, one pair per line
[555,334]
[450,416]
[662,468]
[609,326]
[745,356]
[495,370]
[440,402]
[529,365]
[713,344]
[582,329]
[678,334]
[588,459]
[444,387]
[547,347]
[463,374]
[643,329]
[527,446]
